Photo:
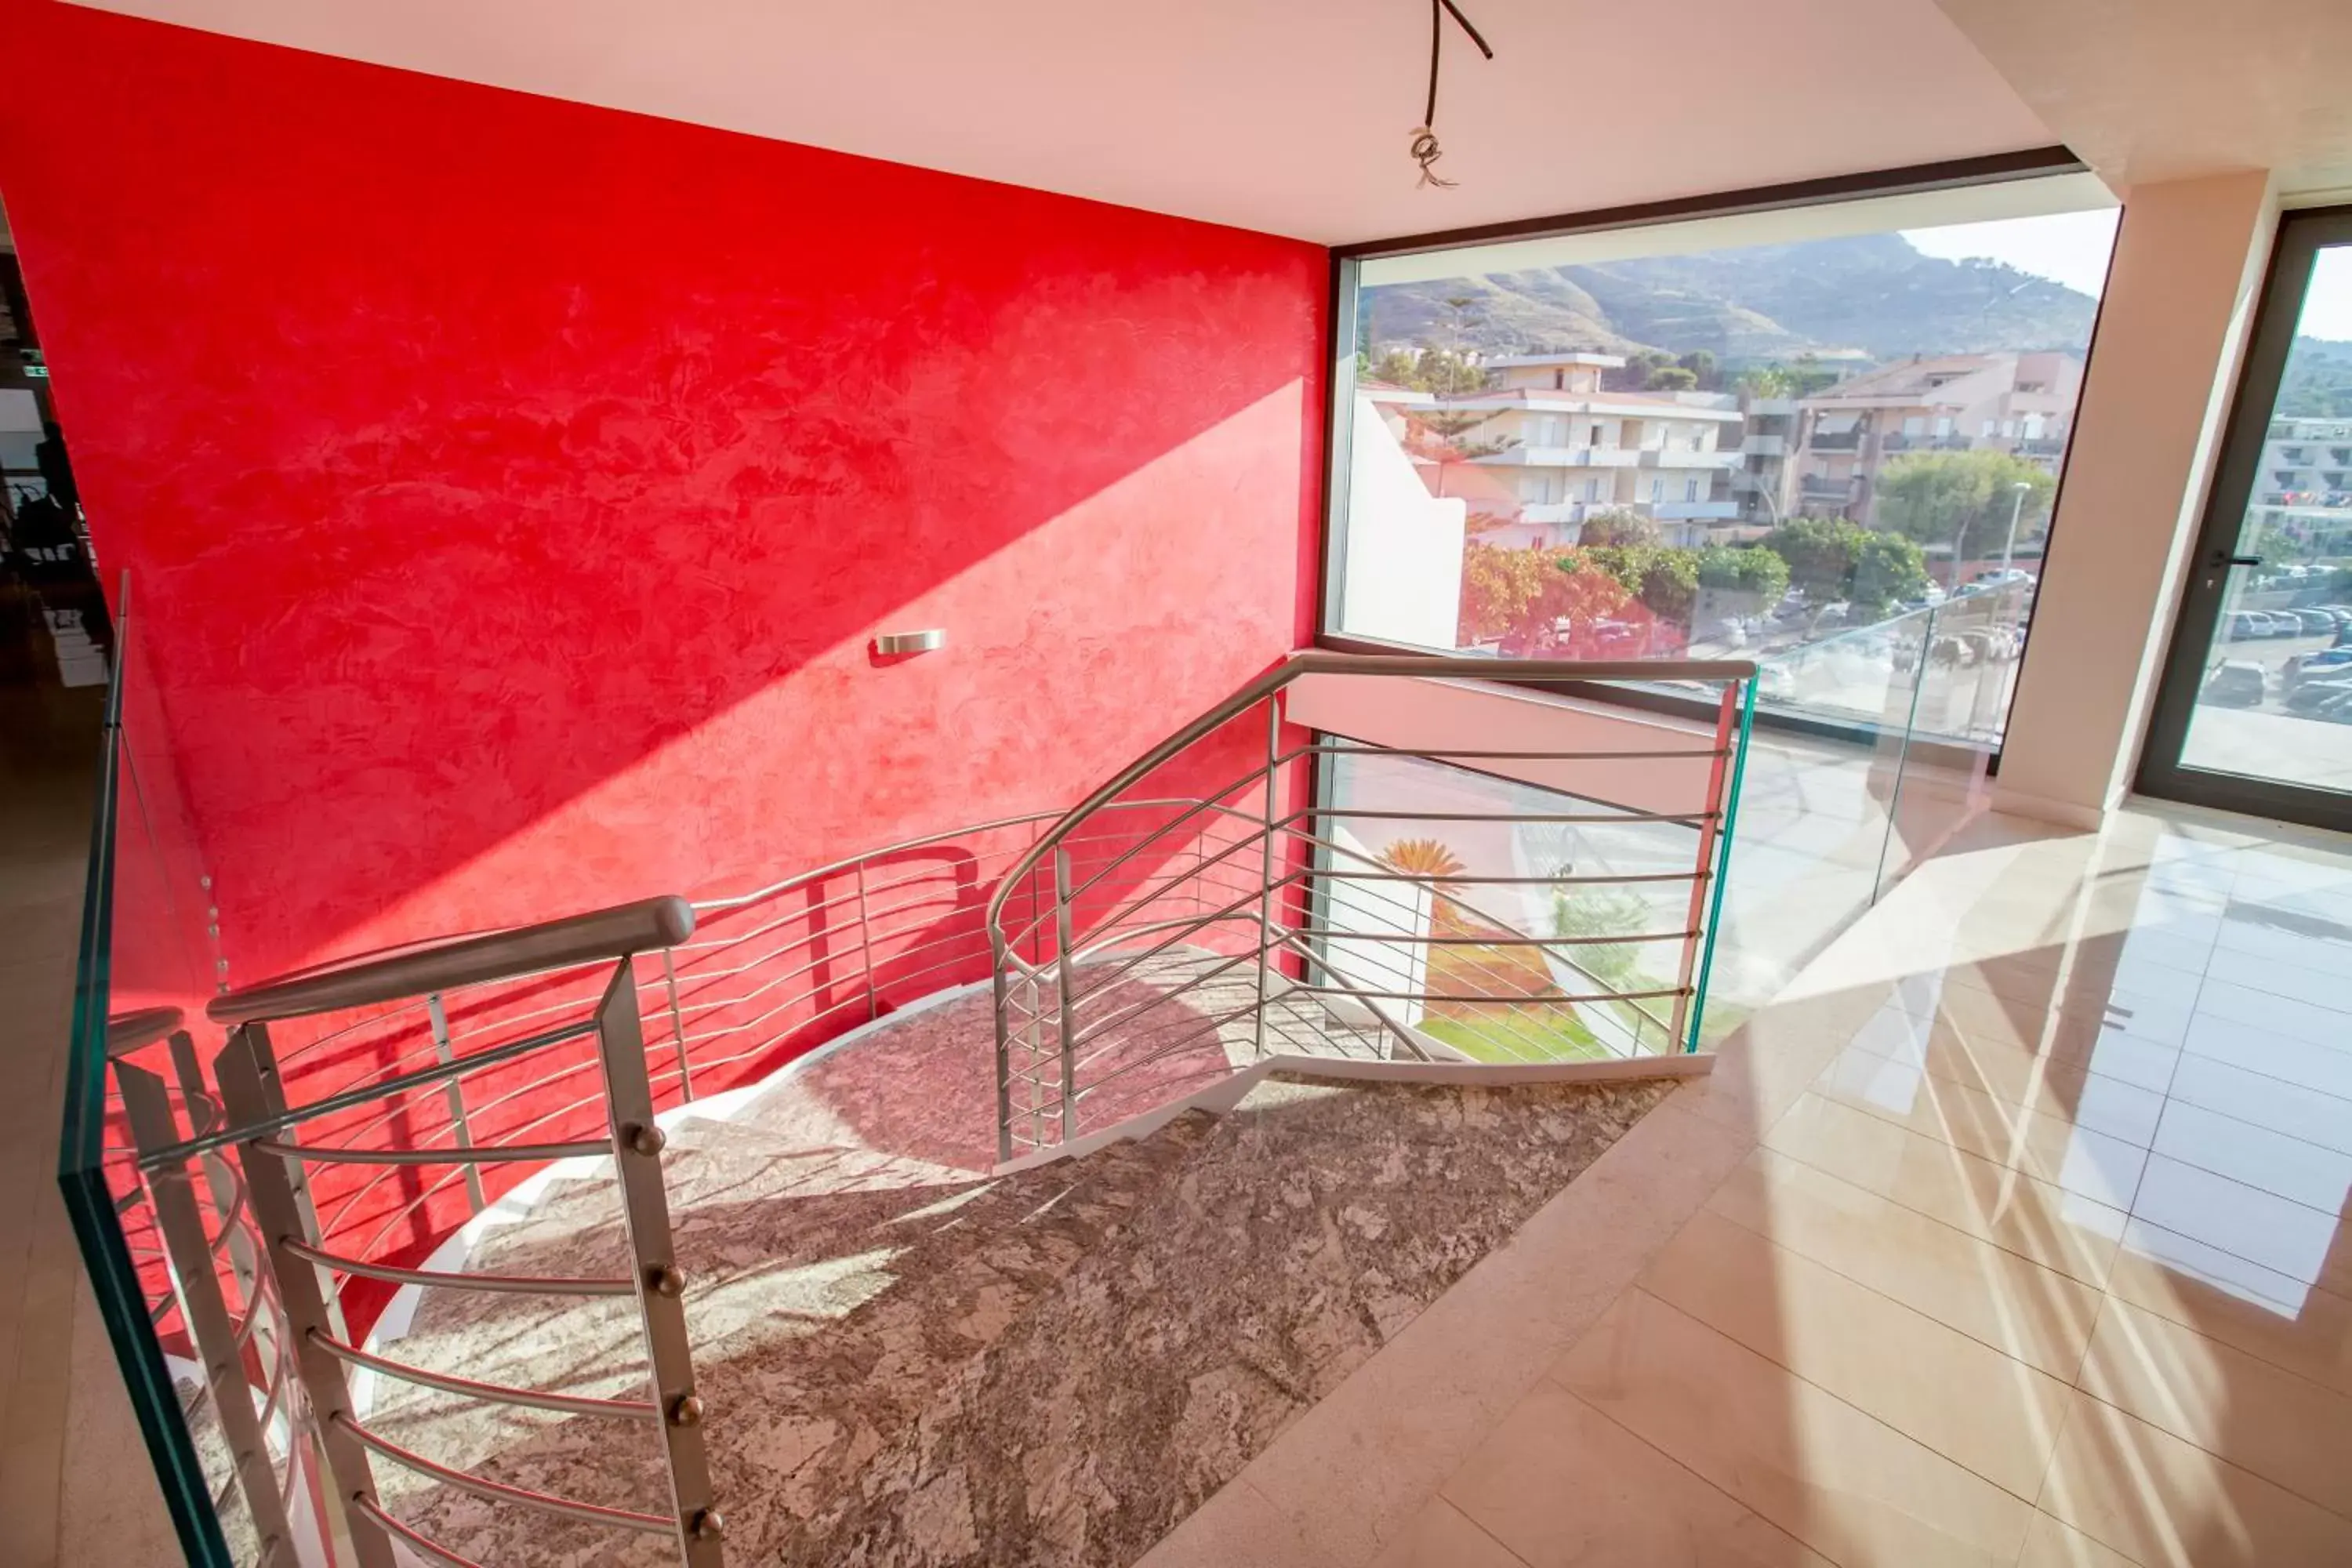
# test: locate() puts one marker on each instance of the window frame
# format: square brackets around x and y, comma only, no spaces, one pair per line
[1339,361]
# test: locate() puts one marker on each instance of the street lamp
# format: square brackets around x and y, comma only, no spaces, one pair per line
[2017,505]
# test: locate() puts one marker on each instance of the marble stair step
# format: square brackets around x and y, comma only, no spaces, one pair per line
[1307,1229]
[821,1326]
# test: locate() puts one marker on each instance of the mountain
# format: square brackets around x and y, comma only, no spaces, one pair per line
[1756,303]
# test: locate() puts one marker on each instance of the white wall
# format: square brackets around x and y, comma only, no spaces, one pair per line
[1402,579]
[2179,300]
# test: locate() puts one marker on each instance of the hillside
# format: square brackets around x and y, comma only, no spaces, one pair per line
[2318,381]
[1756,303]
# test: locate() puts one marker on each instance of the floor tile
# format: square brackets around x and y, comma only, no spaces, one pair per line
[2302,982]
[2300,1328]
[2052,1148]
[2035,1219]
[1441,1536]
[2050,1544]
[2295,1110]
[1239,1526]
[2167,1503]
[2288,1167]
[2253,1047]
[2282,1013]
[1871,1351]
[2067,1088]
[1561,1483]
[2211,1266]
[2035,1314]
[1849,1486]
[2285,1428]
[2261,1227]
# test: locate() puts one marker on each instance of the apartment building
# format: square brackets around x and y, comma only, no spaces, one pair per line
[1544,447]
[2021,404]
[2303,495]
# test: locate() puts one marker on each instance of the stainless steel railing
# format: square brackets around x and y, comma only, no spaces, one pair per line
[1245,906]
[1215,902]
[298,1302]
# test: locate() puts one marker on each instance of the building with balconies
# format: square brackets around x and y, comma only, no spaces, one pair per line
[2303,494]
[1557,449]
[2020,404]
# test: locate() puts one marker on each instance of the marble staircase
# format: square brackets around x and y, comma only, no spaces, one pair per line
[907,1359]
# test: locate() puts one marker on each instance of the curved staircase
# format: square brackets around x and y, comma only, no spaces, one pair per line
[991,1197]
[907,1360]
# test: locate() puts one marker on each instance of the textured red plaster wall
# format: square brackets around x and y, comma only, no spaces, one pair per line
[511,486]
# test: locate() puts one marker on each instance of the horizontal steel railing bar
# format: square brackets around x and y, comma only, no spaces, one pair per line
[1206,804]
[1161,1048]
[496,1284]
[1090,1031]
[1237,909]
[1352,813]
[850,940]
[1446,667]
[471,1154]
[597,936]
[1510,940]
[493,1393]
[1152,886]
[834,868]
[1472,879]
[1359,748]
[498,1491]
[1257,835]
[364,1094]
[410,1537]
[1298,988]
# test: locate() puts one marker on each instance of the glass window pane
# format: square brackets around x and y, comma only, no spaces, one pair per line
[1790,436]
[2274,701]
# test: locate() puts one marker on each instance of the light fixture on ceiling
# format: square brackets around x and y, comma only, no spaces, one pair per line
[1425,150]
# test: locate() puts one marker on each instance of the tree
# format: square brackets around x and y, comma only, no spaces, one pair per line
[1506,591]
[1744,570]
[1886,568]
[1421,858]
[1602,911]
[1830,558]
[1664,578]
[1702,365]
[1618,525]
[1672,378]
[1963,499]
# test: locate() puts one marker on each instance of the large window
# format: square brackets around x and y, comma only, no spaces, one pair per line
[1827,437]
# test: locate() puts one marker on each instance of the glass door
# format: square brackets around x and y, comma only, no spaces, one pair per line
[2255,711]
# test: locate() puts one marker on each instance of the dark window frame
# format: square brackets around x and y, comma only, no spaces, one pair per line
[2198,617]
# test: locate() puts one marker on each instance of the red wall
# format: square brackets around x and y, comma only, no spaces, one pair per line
[510,487]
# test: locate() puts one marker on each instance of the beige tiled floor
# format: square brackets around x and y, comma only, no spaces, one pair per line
[2009,1235]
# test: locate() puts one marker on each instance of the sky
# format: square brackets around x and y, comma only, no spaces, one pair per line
[2072,249]
[2066,247]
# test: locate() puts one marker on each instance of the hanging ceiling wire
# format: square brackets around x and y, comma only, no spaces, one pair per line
[1425,150]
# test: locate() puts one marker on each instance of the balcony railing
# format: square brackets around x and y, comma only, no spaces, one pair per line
[1835,441]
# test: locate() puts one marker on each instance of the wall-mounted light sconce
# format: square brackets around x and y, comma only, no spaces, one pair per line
[898,644]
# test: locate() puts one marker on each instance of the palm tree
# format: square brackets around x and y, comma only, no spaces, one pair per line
[1421,858]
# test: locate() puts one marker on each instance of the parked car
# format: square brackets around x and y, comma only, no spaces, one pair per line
[2315,698]
[2313,622]
[2295,671]
[2242,626]
[2234,683]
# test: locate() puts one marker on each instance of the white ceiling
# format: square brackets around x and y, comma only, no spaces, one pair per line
[2164,90]
[1290,116]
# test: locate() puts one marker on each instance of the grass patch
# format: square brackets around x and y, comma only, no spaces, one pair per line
[1518,1035]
